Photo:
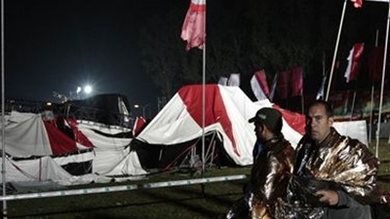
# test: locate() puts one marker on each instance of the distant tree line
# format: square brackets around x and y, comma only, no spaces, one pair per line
[244,36]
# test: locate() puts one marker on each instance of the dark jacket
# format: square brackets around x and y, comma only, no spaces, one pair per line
[345,163]
[270,175]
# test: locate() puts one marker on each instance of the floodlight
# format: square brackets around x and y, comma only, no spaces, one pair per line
[87,89]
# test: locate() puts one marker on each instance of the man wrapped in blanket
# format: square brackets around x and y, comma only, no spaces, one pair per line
[334,175]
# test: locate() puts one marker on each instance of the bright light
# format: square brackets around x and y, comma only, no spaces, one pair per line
[87,89]
[78,89]
[48,104]
[136,106]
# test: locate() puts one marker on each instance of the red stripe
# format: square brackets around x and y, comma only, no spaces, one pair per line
[59,142]
[197,7]
[294,120]
[214,109]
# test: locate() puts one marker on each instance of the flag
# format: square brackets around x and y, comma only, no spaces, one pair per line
[223,81]
[283,84]
[139,125]
[357,3]
[273,88]
[296,81]
[320,93]
[354,62]
[259,85]
[234,80]
[193,30]
[375,64]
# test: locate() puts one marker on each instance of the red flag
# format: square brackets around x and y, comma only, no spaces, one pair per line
[354,62]
[375,64]
[283,84]
[357,3]
[297,81]
[259,85]
[139,125]
[193,30]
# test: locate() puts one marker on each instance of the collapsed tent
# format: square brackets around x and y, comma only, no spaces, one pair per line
[66,151]
[227,110]
[29,134]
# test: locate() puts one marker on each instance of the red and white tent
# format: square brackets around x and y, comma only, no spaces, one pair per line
[27,134]
[39,149]
[228,110]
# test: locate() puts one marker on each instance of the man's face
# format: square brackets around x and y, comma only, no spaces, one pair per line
[258,130]
[318,123]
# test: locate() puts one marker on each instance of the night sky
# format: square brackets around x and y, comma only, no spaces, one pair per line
[55,46]
[59,45]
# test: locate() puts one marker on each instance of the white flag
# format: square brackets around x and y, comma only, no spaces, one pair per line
[223,81]
[234,80]
[320,93]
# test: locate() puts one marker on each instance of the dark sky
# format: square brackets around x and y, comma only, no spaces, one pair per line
[59,45]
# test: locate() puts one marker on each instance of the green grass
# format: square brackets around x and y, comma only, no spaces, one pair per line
[196,201]
[384,167]
[175,202]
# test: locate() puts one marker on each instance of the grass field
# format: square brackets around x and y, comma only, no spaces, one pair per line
[196,201]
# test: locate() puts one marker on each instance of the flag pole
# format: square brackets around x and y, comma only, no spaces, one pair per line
[372,95]
[335,50]
[382,84]
[303,104]
[353,102]
[3,167]
[371,111]
[204,92]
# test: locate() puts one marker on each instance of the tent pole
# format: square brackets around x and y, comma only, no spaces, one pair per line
[204,93]
[3,167]
[335,50]
[382,84]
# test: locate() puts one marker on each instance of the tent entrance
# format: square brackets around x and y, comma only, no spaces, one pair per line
[184,157]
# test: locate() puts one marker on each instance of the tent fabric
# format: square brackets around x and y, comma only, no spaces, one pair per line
[227,112]
[112,155]
[40,151]
[100,141]
[26,135]
[355,129]
[60,143]
[41,169]
[128,165]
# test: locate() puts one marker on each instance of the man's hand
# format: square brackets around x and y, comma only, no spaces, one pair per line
[328,196]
